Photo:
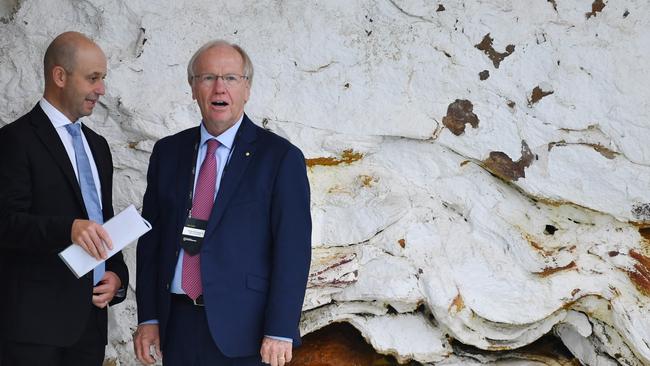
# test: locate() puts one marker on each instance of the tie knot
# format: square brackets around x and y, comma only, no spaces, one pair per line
[74,129]
[212,146]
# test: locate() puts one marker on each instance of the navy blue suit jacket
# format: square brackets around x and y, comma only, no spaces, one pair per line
[257,247]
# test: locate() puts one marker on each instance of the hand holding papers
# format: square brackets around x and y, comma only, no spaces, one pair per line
[123,228]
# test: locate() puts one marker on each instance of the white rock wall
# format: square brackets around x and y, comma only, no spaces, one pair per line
[480,170]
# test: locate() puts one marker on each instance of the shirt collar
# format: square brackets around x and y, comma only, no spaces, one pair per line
[227,137]
[57,118]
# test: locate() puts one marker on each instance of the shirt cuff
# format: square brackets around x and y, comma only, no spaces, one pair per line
[279,338]
[152,321]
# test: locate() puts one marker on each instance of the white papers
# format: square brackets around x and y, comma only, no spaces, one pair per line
[123,228]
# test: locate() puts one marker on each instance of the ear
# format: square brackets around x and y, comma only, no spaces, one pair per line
[59,76]
[248,92]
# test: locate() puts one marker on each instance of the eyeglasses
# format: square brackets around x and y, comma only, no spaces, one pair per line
[228,79]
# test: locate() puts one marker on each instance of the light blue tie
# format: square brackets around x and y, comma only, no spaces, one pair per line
[87,184]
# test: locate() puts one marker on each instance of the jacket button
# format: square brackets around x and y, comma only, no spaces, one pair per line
[167,286]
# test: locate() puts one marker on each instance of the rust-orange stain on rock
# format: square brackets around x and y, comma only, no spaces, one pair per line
[537,95]
[645,233]
[347,157]
[339,344]
[402,243]
[641,277]
[504,167]
[458,304]
[545,252]
[602,150]
[596,7]
[492,54]
[575,291]
[459,113]
[551,270]
[367,180]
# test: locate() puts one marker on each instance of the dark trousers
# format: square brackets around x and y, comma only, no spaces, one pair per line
[87,351]
[189,342]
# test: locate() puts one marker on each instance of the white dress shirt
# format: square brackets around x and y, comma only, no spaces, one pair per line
[59,120]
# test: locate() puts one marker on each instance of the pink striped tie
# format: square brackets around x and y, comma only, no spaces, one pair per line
[201,208]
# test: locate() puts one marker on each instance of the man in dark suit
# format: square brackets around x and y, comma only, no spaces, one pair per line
[221,277]
[56,188]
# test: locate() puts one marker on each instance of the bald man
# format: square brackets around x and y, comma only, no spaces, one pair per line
[55,188]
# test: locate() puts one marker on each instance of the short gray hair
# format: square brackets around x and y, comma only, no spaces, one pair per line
[248,64]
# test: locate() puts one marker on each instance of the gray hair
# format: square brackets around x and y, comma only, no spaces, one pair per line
[248,64]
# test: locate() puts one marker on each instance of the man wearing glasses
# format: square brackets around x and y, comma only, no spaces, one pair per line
[221,277]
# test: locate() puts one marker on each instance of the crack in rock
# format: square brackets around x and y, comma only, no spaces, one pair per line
[409,14]
[320,68]
[140,42]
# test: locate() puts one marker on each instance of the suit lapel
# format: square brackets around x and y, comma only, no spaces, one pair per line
[50,138]
[186,159]
[244,150]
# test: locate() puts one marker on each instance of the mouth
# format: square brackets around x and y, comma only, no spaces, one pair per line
[219,103]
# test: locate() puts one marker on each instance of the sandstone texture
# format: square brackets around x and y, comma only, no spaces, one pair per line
[480,170]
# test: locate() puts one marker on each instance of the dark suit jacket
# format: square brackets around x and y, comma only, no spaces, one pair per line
[257,247]
[40,197]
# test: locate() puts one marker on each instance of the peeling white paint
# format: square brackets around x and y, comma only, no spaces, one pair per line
[416,226]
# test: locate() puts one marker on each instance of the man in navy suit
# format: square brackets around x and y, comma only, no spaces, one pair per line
[221,277]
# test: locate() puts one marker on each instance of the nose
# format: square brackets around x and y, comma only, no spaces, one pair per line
[219,85]
[101,88]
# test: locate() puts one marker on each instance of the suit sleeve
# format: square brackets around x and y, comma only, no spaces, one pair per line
[148,246]
[291,253]
[20,230]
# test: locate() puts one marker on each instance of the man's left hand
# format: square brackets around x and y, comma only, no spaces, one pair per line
[276,352]
[106,289]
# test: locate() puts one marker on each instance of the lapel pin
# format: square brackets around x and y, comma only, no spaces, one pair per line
[248,153]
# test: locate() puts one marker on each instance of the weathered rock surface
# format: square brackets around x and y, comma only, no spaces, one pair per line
[518,217]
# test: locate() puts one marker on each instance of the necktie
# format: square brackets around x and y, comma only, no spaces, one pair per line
[201,207]
[88,188]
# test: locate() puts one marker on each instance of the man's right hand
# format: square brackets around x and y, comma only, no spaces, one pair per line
[92,237]
[144,337]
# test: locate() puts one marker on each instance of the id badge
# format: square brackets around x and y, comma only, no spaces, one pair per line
[192,237]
